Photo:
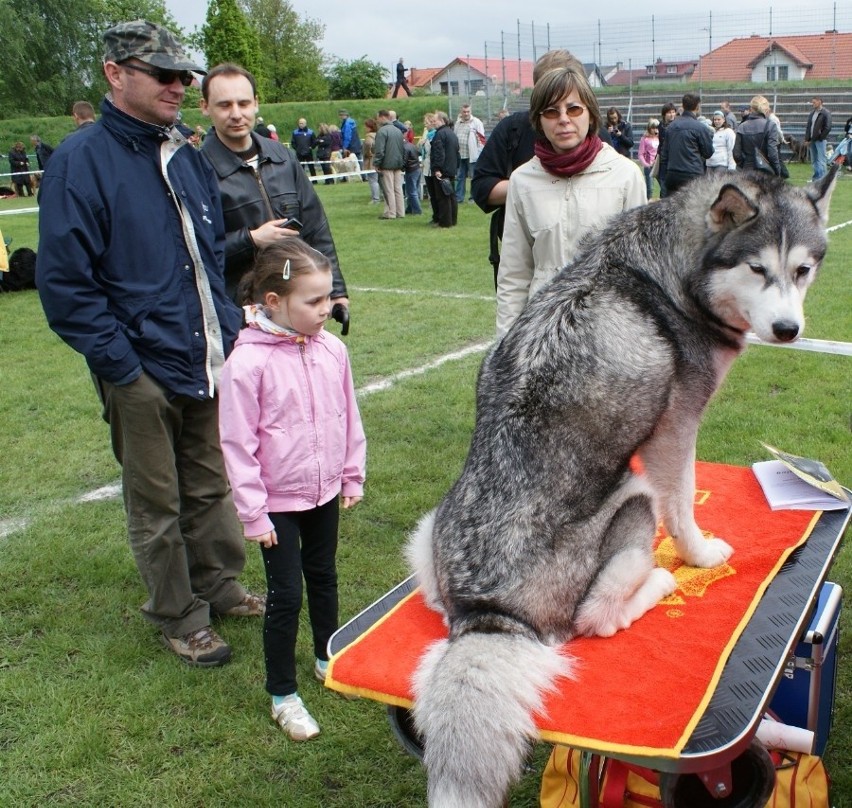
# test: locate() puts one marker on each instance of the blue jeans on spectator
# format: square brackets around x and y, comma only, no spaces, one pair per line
[649,180]
[817,151]
[412,192]
[466,169]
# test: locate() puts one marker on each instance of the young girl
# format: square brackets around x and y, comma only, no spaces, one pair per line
[648,146]
[294,447]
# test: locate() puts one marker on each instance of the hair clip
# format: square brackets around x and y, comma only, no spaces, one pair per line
[285,275]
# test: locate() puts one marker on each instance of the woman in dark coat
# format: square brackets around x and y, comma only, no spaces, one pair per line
[19,165]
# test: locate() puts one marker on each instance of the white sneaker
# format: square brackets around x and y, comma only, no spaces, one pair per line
[293,717]
[320,670]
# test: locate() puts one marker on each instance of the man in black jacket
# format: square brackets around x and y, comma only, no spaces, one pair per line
[400,80]
[303,141]
[687,144]
[816,132]
[261,181]
[444,160]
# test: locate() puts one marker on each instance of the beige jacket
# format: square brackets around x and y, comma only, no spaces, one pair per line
[546,216]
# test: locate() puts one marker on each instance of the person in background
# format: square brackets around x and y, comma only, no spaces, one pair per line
[755,133]
[83,113]
[425,146]
[648,145]
[471,137]
[261,128]
[266,196]
[620,132]
[19,165]
[303,141]
[444,162]
[687,144]
[350,143]
[42,151]
[730,118]
[367,145]
[388,160]
[151,317]
[273,132]
[724,138]
[413,173]
[575,182]
[286,382]
[817,130]
[400,80]
[325,146]
[668,112]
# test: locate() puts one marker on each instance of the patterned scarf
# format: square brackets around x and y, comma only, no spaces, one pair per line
[567,164]
[257,318]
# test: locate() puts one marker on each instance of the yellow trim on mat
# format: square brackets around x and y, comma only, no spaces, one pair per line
[674,752]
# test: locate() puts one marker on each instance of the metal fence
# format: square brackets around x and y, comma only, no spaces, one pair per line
[635,42]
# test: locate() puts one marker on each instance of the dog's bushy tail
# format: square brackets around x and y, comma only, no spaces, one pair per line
[475,697]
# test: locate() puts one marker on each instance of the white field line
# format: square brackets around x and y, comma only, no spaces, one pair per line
[420,293]
[15,524]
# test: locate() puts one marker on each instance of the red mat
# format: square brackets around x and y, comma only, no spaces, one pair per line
[643,690]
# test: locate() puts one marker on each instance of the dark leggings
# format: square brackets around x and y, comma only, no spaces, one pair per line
[307,545]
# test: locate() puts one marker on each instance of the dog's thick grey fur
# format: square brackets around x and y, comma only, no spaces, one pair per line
[547,534]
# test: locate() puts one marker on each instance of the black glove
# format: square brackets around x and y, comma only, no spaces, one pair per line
[340,313]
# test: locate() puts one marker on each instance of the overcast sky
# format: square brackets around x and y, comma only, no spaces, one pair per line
[434,32]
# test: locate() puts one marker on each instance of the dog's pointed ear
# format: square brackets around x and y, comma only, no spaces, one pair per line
[731,209]
[820,192]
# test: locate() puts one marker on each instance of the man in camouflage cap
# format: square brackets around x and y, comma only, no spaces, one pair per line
[148,42]
[130,271]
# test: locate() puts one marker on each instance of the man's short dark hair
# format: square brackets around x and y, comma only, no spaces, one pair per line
[691,102]
[667,108]
[383,113]
[227,69]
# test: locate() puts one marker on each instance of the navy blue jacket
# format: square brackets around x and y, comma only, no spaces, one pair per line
[115,268]
[688,143]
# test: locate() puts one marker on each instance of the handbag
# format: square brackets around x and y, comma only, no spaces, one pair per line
[762,164]
[655,167]
[446,186]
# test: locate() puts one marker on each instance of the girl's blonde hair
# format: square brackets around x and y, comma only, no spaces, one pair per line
[291,258]
[652,124]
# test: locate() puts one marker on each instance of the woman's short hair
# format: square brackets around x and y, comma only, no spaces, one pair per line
[553,86]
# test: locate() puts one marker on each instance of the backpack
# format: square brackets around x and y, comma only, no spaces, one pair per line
[21,274]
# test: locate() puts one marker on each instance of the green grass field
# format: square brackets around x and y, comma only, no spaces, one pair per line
[94,712]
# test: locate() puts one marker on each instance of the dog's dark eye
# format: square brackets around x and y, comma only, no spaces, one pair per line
[803,271]
[757,269]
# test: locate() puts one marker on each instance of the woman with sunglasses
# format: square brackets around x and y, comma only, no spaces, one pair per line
[572,185]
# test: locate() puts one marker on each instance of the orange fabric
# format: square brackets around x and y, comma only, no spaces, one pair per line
[643,690]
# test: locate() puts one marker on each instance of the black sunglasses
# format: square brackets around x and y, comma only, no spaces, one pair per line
[162,75]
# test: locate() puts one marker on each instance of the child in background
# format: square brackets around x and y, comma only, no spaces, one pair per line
[294,447]
[648,147]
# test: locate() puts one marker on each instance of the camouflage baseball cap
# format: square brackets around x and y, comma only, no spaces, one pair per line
[148,42]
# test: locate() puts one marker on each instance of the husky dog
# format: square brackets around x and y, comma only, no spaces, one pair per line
[547,534]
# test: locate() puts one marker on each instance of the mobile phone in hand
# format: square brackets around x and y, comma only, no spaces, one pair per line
[292,223]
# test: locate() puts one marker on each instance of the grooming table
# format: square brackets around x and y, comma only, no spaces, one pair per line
[720,730]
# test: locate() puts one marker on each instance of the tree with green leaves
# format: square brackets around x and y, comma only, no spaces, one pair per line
[227,36]
[292,59]
[359,78]
[52,50]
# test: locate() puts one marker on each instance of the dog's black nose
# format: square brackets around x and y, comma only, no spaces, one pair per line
[785,330]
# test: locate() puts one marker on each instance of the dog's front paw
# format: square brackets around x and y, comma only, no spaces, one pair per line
[708,553]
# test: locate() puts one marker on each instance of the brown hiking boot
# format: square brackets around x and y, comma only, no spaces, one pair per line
[203,648]
[250,606]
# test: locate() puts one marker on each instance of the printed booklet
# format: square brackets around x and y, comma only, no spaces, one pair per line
[798,483]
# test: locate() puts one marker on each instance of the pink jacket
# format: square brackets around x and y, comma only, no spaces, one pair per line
[289,425]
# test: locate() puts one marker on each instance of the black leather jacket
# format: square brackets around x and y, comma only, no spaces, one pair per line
[280,188]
